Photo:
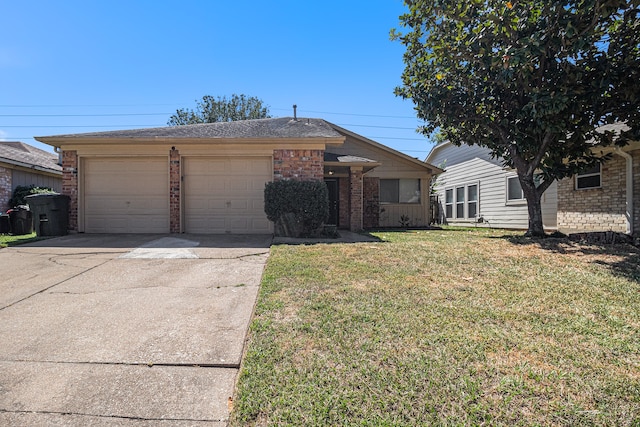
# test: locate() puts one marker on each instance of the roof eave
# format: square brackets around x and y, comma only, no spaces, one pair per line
[354,164]
[433,169]
[30,166]
[57,141]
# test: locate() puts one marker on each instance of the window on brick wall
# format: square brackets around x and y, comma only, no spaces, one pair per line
[590,178]
[399,191]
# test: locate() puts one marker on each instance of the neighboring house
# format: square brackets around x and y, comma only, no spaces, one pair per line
[210,178]
[24,165]
[478,190]
[606,198]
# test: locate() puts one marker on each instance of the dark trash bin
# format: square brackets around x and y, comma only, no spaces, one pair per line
[20,220]
[50,213]
[5,224]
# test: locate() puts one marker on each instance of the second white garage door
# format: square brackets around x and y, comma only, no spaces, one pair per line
[126,195]
[226,194]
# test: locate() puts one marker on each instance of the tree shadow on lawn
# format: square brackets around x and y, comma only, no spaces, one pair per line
[622,259]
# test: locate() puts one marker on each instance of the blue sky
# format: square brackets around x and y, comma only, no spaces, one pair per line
[83,66]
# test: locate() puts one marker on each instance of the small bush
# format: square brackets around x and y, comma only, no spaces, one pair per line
[303,202]
[23,191]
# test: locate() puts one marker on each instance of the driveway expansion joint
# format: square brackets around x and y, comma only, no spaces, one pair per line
[121,417]
[143,364]
[133,288]
[239,257]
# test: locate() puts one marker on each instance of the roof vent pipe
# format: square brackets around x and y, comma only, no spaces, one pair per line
[295,117]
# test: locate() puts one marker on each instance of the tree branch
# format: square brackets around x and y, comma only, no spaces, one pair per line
[541,152]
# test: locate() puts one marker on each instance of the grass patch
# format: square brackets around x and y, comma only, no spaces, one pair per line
[472,327]
[11,240]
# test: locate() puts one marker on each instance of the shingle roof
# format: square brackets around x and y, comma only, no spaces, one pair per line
[15,152]
[342,158]
[282,127]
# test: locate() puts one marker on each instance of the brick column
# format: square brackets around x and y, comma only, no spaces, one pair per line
[6,181]
[174,191]
[355,193]
[70,185]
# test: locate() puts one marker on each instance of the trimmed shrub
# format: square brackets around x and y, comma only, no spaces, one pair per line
[22,191]
[297,207]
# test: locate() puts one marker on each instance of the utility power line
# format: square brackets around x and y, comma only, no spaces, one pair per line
[86,115]
[168,114]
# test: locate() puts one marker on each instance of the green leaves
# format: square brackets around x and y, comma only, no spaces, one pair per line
[221,109]
[308,201]
[521,77]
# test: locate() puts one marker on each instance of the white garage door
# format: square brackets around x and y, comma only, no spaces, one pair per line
[126,195]
[226,195]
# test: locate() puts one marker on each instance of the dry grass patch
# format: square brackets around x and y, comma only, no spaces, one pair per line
[447,327]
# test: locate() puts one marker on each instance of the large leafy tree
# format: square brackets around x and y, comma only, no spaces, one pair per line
[221,109]
[532,80]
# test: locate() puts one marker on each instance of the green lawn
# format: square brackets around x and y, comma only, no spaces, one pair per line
[452,327]
[11,240]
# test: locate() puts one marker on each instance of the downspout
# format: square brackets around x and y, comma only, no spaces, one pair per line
[629,188]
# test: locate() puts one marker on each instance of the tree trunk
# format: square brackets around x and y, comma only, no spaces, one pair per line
[534,206]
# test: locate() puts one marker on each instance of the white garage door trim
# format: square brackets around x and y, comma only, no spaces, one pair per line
[125,194]
[226,194]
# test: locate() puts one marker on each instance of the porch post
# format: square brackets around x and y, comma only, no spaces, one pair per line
[355,198]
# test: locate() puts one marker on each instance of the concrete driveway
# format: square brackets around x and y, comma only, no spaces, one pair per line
[135,330]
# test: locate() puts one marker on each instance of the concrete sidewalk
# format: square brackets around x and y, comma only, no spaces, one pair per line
[125,330]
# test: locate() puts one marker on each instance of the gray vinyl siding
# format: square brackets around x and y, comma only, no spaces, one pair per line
[450,155]
[20,177]
[467,165]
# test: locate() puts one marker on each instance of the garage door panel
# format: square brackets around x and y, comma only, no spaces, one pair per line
[226,195]
[126,195]
[240,185]
[239,205]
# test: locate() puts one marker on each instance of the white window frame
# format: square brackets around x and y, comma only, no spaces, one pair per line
[588,175]
[447,204]
[465,203]
[522,200]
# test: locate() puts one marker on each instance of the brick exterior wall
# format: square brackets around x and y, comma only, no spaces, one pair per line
[6,184]
[298,164]
[70,185]
[599,209]
[174,191]
[343,203]
[355,191]
[371,196]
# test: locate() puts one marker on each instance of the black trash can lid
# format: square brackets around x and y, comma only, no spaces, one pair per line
[45,196]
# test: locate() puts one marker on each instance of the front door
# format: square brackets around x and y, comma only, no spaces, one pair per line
[332,186]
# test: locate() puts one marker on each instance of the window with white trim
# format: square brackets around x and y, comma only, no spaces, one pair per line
[400,191]
[448,203]
[461,202]
[514,189]
[472,201]
[591,178]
